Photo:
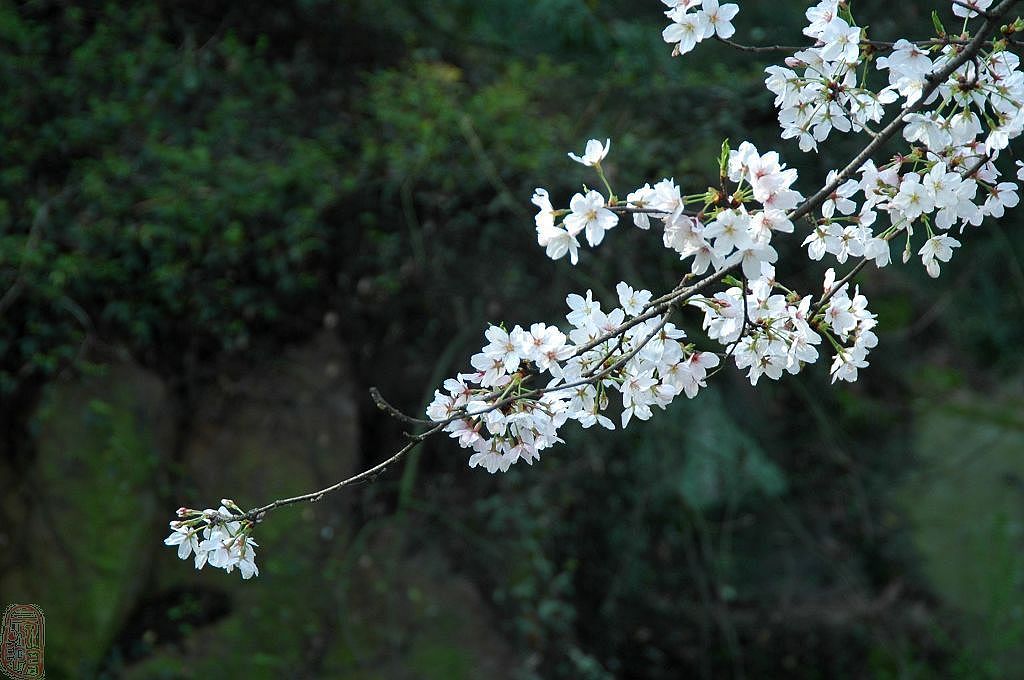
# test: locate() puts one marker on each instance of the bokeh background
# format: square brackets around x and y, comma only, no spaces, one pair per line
[221,223]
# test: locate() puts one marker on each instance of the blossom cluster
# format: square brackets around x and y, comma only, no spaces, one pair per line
[215,539]
[770,332]
[530,382]
[708,19]
[732,227]
[818,90]
[824,87]
[948,177]
[851,324]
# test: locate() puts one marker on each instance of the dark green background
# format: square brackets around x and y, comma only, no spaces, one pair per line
[220,223]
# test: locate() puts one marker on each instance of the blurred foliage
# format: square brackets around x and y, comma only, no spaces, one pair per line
[199,184]
[152,195]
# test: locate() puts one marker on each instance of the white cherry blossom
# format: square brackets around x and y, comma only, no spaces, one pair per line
[594,152]
[589,214]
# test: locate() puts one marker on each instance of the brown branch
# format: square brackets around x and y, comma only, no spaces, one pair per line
[982,161]
[606,357]
[257,514]
[877,45]
[383,405]
[762,49]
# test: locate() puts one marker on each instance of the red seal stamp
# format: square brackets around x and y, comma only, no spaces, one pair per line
[21,642]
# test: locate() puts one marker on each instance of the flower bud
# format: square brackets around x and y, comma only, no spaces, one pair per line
[830,279]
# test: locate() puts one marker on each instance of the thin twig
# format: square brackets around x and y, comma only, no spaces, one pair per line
[257,514]
[827,295]
[762,49]
[383,405]
[982,161]
[876,44]
[606,357]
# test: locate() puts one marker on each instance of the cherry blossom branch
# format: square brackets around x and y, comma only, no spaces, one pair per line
[600,362]
[258,514]
[664,304]
[761,49]
[982,161]
[494,412]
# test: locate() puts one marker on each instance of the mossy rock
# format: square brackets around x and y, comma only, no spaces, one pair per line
[88,505]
